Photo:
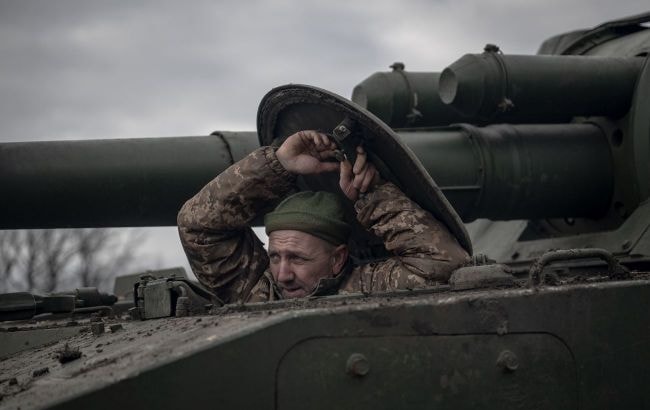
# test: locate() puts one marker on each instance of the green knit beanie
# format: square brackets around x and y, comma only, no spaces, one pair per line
[317,213]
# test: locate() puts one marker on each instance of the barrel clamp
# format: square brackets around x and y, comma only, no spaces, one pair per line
[505,103]
[414,114]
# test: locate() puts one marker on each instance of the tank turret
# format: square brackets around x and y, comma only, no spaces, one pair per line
[554,143]
[586,175]
[546,158]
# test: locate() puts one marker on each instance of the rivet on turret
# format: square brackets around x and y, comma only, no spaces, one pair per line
[357,365]
[508,361]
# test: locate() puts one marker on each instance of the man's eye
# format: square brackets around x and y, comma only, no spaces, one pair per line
[274,258]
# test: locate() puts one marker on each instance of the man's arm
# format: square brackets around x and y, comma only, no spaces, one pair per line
[424,250]
[222,249]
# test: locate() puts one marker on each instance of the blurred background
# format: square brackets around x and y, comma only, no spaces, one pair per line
[86,69]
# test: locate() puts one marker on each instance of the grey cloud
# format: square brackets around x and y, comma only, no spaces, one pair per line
[115,67]
[77,69]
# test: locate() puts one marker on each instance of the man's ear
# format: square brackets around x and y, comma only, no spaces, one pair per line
[339,257]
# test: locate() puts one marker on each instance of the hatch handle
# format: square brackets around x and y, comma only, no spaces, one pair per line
[536,274]
[345,135]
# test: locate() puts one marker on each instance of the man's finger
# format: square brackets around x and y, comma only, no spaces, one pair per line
[305,135]
[360,163]
[328,166]
[358,180]
[368,178]
[324,139]
[314,140]
[345,181]
[327,154]
[346,172]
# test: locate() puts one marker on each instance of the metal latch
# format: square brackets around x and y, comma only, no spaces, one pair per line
[165,297]
[345,136]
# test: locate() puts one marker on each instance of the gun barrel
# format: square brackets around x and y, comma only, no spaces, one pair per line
[405,99]
[119,182]
[498,172]
[540,89]
[482,88]
[25,305]
[506,172]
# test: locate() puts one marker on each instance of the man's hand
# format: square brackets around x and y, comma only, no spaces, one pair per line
[307,152]
[359,178]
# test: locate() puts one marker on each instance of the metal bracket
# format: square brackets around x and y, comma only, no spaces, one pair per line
[344,135]
[165,297]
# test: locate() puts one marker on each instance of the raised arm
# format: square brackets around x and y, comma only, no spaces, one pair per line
[214,225]
[423,249]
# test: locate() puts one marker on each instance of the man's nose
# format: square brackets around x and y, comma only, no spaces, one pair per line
[285,273]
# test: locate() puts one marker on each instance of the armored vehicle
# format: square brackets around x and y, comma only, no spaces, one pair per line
[546,160]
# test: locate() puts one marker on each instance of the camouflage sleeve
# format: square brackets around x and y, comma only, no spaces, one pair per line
[222,249]
[424,250]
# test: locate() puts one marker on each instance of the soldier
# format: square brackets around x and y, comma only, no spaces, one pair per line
[307,252]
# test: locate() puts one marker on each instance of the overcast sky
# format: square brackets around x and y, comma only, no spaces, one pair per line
[77,69]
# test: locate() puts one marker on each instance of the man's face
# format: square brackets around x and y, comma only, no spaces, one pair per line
[299,260]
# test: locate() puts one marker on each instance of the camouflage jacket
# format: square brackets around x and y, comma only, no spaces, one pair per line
[227,257]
